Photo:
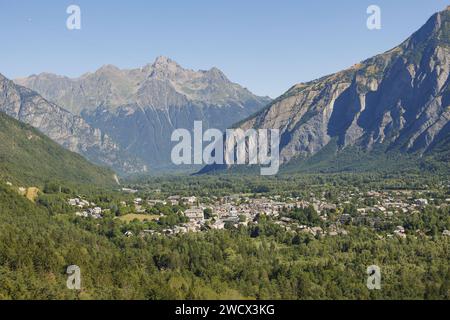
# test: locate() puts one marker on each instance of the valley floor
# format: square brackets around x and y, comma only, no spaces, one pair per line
[217,237]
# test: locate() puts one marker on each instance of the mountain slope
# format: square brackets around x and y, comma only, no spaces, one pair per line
[70,131]
[140,108]
[29,157]
[399,100]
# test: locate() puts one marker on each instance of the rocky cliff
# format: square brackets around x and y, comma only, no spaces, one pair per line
[399,99]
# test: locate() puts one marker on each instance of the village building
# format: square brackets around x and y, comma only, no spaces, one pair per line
[190,200]
[195,214]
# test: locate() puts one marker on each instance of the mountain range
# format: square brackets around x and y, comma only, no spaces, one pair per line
[139,108]
[398,101]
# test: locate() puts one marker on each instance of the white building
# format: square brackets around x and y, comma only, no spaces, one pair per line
[195,214]
[190,200]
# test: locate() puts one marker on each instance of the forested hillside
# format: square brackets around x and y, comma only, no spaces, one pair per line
[258,262]
[28,157]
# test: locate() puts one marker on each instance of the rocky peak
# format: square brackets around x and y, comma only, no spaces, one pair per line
[163,61]
[436,31]
[216,74]
[107,68]
[165,68]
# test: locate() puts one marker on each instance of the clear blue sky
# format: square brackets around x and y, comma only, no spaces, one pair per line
[267,46]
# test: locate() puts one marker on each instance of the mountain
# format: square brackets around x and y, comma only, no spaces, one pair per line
[396,102]
[29,157]
[70,131]
[140,108]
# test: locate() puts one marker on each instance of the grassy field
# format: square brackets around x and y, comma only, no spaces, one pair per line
[141,217]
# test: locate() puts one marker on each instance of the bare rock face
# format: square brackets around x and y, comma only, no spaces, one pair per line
[400,98]
[70,131]
[140,108]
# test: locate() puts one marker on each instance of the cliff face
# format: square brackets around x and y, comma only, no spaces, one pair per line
[140,108]
[70,131]
[400,99]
